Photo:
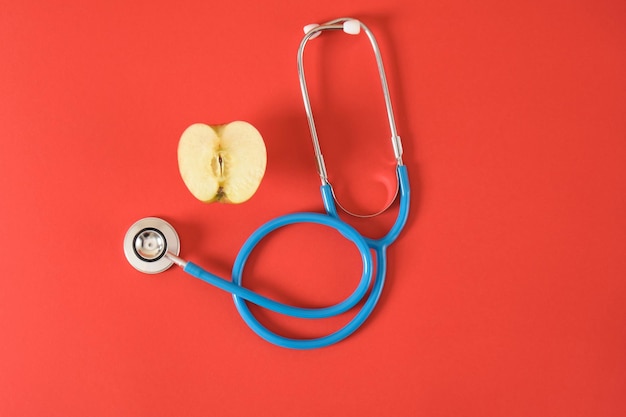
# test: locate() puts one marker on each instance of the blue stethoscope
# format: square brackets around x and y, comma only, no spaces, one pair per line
[151,245]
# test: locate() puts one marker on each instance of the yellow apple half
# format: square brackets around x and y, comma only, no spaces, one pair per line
[224,163]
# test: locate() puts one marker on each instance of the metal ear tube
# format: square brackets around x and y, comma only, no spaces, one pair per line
[352,27]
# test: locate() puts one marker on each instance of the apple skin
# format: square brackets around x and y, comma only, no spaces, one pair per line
[222,163]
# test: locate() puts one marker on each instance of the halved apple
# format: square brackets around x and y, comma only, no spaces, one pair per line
[223,163]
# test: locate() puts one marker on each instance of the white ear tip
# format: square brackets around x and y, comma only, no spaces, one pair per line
[352,27]
[309,28]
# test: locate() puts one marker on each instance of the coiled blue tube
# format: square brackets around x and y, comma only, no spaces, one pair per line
[369,277]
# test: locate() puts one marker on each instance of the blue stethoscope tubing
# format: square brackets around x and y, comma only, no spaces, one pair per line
[366,246]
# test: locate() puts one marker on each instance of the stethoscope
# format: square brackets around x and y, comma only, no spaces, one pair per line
[151,245]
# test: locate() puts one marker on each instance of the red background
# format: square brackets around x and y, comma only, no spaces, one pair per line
[505,293]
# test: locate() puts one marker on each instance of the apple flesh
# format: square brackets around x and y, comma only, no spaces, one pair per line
[224,163]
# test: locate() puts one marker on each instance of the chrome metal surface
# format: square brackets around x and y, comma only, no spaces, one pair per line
[150,245]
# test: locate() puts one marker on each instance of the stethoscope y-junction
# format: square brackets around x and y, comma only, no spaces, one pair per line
[151,245]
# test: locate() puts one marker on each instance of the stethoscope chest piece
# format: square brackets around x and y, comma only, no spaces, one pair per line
[147,242]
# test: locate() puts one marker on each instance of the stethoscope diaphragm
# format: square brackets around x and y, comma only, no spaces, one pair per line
[146,243]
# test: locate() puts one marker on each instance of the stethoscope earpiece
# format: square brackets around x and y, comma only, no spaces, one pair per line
[350,26]
[309,28]
[147,244]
